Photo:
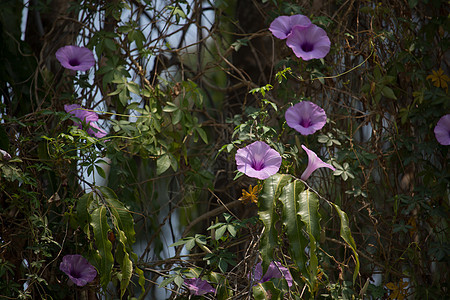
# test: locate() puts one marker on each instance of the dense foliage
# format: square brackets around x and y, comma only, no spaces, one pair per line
[259,149]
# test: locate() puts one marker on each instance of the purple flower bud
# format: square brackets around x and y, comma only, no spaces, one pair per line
[258,160]
[442,130]
[314,163]
[198,287]
[75,58]
[306,117]
[79,270]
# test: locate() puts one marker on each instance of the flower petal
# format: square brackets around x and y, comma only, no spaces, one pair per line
[305,117]
[75,58]
[258,160]
[79,270]
[275,270]
[442,130]
[309,43]
[198,287]
[314,162]
[282,26]
[88,117]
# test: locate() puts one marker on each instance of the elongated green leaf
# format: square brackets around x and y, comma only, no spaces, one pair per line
[122,217]
[346,234]
[124,227]
[309,213]
[292,223]
[101,228]
[267,214]
[126,266]
[141,279]
[83,211]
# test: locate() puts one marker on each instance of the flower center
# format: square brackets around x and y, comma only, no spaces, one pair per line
[258,165]
[305,123]
[74,62]
[75,274]
[307,47]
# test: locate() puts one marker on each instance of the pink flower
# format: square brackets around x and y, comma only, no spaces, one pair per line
[198,287]
[79,270]
[442,130]
[282,26]
[305,117]
[258,160]
[309,42]
[75,58]
[88,117]
[314,163]
[275,270]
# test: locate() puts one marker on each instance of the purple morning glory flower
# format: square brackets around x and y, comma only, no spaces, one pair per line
[442,130]
[314,163]
[75,58]
[198,287]
[282,26]
[89,117]
[275,270]
[79,270]
[309,42]
[258,160]
[4,155]
[305,117]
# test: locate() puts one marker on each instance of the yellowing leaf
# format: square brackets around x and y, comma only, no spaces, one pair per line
[439,79]
[391,285]
[251,195]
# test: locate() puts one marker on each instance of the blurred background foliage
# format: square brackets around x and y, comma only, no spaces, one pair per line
[179,86]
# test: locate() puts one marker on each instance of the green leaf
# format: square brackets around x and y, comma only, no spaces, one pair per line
[124,227]
[346,234]
[138,37]
[170,107]
[176,117]
[133,87]
[123,97]
[267,214]
[162,164]
[202,134]
[266,290]
[166,281]
[100,171]
[83,215]
[292,223]
[122,217]
[223,265]
[232,230]
[388,93]
[180,242]
[220,232]
[141,279]
[309,212]
[104,246]
[126,266]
